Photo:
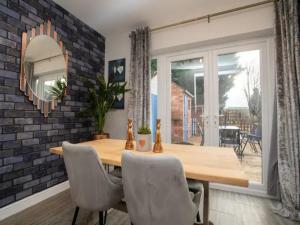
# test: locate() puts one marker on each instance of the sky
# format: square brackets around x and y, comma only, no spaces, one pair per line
[236,95]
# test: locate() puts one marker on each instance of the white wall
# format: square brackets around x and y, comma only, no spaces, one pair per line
[117,47]
[235,26]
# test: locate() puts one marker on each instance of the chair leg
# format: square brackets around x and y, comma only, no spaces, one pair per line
[198,217]
[101,218]
[105,216]
[75,215]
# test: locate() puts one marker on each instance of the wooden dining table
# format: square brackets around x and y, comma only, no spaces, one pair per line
[202,163]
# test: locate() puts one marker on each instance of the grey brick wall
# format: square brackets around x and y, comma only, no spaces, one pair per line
[26,166]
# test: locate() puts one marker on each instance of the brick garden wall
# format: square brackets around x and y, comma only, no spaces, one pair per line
[26,167]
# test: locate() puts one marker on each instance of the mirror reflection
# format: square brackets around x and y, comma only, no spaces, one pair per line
[45,68]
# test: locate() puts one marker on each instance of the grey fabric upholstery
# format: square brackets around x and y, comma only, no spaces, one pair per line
[91,187]
[156,191]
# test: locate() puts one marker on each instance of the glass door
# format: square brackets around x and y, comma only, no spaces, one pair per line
[221,97]
[238,110]
[187,107]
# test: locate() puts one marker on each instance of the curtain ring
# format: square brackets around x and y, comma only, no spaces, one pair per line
[208,18]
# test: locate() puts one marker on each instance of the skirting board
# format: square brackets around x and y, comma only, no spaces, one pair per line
[32,200]
[240,190]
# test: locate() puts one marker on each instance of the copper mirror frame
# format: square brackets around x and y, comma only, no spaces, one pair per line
[43,29]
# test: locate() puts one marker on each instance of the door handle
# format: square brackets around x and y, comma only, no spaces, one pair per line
[216,119]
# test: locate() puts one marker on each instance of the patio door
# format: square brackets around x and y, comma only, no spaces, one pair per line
[237,109]
[188,107]
[223,97]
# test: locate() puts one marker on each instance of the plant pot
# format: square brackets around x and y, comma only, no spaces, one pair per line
[101,136]
[144,142]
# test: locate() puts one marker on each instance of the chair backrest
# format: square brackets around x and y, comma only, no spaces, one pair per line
[156,190]
[91,187]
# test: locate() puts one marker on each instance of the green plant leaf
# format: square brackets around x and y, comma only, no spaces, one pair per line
[101,96]
[144,129]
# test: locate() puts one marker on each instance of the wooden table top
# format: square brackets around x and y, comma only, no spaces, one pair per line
[212,164]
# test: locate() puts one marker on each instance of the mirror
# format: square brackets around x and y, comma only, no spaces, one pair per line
[45,68]
[44,64]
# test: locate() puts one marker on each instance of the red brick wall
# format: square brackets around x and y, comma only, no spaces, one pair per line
[177,112]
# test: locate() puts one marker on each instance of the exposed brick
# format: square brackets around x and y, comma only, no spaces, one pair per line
[5,185]
[28,142]
[45,178]
[25,135]
[4,89]
[6,121]
[14,98]
[39,187]
[9,12]
[40,133]
[32,114]
[23,106]
[23,194]
[7,137]
[6,169]
[7,105]
[39,161]
[12,128]
[12,160]
[44,3]
[7,200]
[7,148]
[46,126]
[58,174]
[22,165]
[23,121]
[13,113]
[52,132]
[9,43]
[28,21]
[52,157]
[65,108]
[31,183]
[35,18]
[28,7]
[3,2]
[52,182]
[23,179]
[32,127]
[7,58]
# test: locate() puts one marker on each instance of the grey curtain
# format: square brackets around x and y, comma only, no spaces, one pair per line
[288,98]
[273,177]
[139,96]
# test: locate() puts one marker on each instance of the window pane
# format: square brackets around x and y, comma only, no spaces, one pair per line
[240,117]
[187,90]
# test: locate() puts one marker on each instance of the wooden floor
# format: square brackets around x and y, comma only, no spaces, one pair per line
[226,208]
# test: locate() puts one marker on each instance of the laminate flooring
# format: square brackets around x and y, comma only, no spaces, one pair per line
[226,208]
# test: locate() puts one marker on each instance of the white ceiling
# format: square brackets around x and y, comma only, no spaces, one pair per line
[113,16]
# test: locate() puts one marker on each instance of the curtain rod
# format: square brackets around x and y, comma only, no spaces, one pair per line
[209,16]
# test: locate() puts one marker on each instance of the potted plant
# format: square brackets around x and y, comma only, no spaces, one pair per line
[144,139]
[58,91]
[101,96]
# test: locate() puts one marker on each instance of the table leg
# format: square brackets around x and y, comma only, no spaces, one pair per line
[206,204]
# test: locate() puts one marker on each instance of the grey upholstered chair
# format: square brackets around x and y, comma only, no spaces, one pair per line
[91,187]
[156,191]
